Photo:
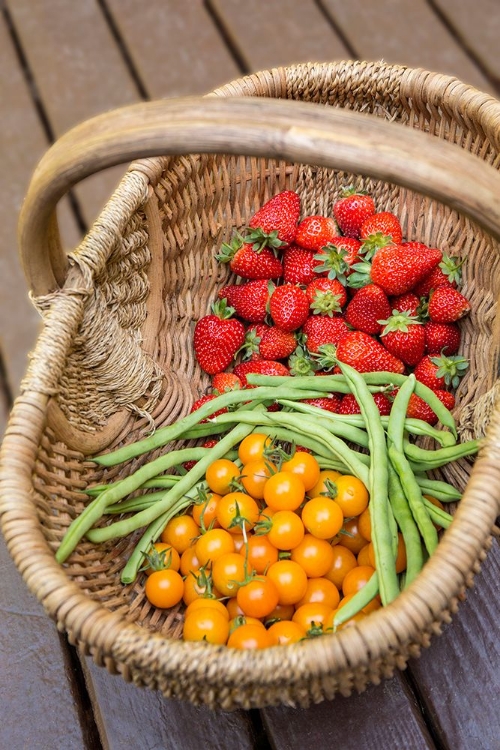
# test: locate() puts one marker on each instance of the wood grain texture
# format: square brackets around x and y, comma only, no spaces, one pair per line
[384,717]
[477,26]
[406,32]
[175,47]
[459,675]
[300,36]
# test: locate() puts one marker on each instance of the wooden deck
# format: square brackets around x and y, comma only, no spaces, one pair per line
[62,61]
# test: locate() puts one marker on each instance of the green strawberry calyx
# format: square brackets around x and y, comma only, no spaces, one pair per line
[326,357]
[348,190]
[451,266]
[222,310]
[260,239]
[300,362]
[326,303]
[229,249]
[373,243]
[360,276]
[399,321]
[250,345]
[452,369]
[332,260]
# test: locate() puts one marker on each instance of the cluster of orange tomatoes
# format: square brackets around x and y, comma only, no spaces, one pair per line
[269,553]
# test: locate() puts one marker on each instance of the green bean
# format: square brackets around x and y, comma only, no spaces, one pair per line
[378,485]
[396,423]
[442,491]
[149,537]
[406,522]
[135,504]
[360,599]
[439,516]
[329,421]
[331,463]
[434,459]
[288,436]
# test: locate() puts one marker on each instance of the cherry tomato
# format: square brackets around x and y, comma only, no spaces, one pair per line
[206,624]
[233,608]
[320,590]
[228,571]
[357,578]
[164,588]
[356,618]
[313,615]
[207,603]
[235,510]
[287,530]
[322,517]
[239,620]
[314,555]
[364,555]
[352,495]
[162,556]
[290,581]
[372,605]
[213,544]
[258,597]
[260,552]
[365,525]
[239,542]
[343,561]
[199,586]
[286,631]
[321,487]
[284,491]
[350,537]
[254,476]
[305,466]
[250,637]
[281,612]
[220,474]
[180,532]
[253,447]
[205,512]
[189,561]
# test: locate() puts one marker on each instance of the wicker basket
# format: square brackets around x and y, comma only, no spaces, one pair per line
[115,352]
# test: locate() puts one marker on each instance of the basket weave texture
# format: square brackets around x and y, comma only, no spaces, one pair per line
[115,356]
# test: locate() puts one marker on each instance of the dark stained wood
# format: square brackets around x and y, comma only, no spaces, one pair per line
[175,46]
[459,675]
[477,25]
[384,716]
[129,717]
[300,35]
[407,32]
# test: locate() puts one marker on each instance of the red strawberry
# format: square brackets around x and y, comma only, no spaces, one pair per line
[397,268]
[442,338]
[328,403]
[439,372]
[446,305]
[385,224]
[365,354]
[446,273]
[298,265]
[404,336]
[289,307]
[261,366]
[321,330]
[336,259]
[188,465]
[368,306]
[314,232]
[408,302]
[326,296]
[420,409]
[280,214]
[203,400]
[249,263]
[352,210]
[349,404]
[249,300]
[277,344]
[217,338]
[225,381]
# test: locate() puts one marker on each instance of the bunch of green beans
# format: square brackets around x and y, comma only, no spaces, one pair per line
[389,464]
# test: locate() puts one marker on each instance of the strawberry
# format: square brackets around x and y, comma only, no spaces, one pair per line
[438,373]
[280,214]
[351,210]
[188,465]
[320,330]
[203,400]
[420,409]
[249,300]
[397,268]
[225,381]
[446,273]
[442,338]
[253,336]
[383,223]
[368,306]
[314,232]
[249,263]
[365,354]
[408,302]
[326,296]
[277,344]
[261,366]
[217,338]
[298,265]
[349,405]
[447,305]
[336,259]
[288,307]
[404,336]
[328,403]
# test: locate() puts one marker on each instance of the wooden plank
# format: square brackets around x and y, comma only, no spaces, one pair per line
[23,143]
[407,32]
[175,47]
[300,35]
[133,717]
[78,71]
[459,675]
[477,25]
[384,717]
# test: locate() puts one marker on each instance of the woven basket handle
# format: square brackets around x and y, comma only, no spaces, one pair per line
[291,130]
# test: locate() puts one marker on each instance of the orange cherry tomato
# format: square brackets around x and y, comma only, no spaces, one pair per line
[189,561]
[235,510]
[253,447]
[281,612]
[220,474]
[250,637]
[286,631]
[205,512]
[164,588]
[284,491]
[312,615]
[228,572]
[239,620]
[239,542]
[314,555]
[254,476]
[364,556]
[207,603]
[374,604]
[321,487]
[290,581]
[180,532]
[352,495]
[357,578]
[343,561]
[162,556]
[322,517]
[233,608]
[260,552]
[305,466]
[213,544]
[320,590]
[356,618]
[287,530]
[199,586]
[206,624]
[350,537]
[365,525]
[258,597]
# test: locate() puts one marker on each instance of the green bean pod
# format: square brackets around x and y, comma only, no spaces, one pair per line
[442,491]
[434,459]
[360,599]
[409,529]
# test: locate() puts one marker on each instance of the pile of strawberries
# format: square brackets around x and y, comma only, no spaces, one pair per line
[322,289]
